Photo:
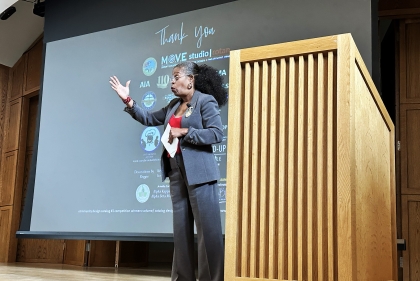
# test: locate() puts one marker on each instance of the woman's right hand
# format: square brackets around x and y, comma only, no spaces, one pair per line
[122,91]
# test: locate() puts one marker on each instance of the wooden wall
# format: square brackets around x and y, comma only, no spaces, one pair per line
[409,135]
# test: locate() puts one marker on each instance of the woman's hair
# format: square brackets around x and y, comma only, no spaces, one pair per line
[207,80]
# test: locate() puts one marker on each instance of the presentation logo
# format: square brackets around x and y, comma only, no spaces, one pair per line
[150,139]
[169,97]
[173,59]
[149,66]
[142,193]
[222,194]
[148,100]
[163,81]
[144,84]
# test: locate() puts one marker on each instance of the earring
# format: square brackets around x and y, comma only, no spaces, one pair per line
[189,86]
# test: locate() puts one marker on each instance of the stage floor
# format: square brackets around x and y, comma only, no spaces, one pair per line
[37,271]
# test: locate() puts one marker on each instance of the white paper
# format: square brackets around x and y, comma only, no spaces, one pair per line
[171,148]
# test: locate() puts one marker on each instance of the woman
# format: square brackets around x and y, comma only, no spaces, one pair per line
[193,172]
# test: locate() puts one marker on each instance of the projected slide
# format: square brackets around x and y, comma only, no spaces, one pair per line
[98,170]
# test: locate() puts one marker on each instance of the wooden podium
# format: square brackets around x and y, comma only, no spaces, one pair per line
[310,177]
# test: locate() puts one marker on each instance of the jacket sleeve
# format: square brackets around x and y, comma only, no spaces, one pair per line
[148,118]
[212,131]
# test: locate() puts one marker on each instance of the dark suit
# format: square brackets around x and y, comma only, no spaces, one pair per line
[193,178]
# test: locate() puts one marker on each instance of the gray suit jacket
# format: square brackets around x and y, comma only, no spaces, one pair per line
[204,129]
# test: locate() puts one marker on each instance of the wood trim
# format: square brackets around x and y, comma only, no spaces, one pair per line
[322,44]
[372,88]
[233,216]
[346,255]
[399,13]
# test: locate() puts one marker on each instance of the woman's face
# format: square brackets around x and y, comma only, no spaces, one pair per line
[180,83]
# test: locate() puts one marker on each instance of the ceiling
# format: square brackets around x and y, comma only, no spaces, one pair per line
[19,31]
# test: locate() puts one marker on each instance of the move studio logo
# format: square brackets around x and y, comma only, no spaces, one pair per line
[142,193]
[149,66]
[150,139]
[173,59]
[148,100]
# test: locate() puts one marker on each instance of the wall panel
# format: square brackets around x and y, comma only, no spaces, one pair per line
[17,78]
[12,126]
[8,178]
[5,224]
[33,68]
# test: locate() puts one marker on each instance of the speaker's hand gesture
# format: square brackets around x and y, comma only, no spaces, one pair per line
[122,91]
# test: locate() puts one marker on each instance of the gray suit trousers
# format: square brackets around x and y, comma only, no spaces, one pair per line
[199,203]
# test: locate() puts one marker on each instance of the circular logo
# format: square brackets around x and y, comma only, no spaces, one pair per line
[149,66]
[150,139]
[148,100]
[142,193]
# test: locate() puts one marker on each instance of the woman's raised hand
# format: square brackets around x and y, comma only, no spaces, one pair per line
[122,91]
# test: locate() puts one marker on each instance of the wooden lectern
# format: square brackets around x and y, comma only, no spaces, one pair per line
[310,177]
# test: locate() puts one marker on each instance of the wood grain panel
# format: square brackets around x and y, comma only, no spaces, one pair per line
[372,162]
[410,148]
[5,225]
[413,53]
[75,252]
[411,232]
[33,68]
[17,76]
[12,127]
[8,178]
[102,253]
[40,250]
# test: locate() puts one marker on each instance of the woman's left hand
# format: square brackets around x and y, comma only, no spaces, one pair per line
[176,133]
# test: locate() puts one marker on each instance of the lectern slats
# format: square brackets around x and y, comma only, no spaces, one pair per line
[282,175]
[301,170]
[291,184]
[321,138]
[255,172]
[273,172]
[312,209]
[330,174]
[246,172]
[263,183]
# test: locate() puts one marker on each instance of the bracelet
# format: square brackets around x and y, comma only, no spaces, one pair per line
[127,100]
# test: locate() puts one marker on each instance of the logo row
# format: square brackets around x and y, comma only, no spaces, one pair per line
[150,64]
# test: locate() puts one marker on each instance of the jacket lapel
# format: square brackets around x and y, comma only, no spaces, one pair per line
[171,112]
[193,103]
